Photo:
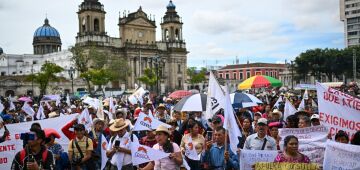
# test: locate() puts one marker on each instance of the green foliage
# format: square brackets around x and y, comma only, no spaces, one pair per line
[98,77]
[196,77]
[149,78]
[329,62]
[47,74]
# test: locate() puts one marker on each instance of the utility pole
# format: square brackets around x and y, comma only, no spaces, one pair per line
[354,64]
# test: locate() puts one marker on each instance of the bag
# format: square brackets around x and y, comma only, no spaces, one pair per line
[23,154]
[263,146]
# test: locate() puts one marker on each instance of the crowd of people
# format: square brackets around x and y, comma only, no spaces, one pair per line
[259,127]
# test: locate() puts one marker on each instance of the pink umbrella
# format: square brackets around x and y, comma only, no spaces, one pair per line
[25,99]
[179,94]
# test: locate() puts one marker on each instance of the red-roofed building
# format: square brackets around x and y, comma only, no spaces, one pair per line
[235,74]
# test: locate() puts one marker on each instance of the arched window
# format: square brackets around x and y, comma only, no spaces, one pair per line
[177,35]
[167,34]
[96,25]
[83,25]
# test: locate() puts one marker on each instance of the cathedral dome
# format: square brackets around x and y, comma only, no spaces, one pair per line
[46,31]
[171,5]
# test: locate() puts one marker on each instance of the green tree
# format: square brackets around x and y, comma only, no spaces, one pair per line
[149,78]
[47,74]
[195,76]
[98,77]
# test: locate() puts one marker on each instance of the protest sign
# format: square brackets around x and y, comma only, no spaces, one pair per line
[141,153]
[249,157]
[285,166]
[341,156]
[14,144]
[338,110]
[148,122]
[311,141]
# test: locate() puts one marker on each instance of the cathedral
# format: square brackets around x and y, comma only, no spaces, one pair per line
[137,43]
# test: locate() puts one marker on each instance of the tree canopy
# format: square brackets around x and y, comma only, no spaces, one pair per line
[196,76]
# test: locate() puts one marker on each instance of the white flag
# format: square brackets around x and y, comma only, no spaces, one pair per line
[313,103]
[1,107]
[110,115]
[142,154]
[148,122]
[12,106]
[104,158]
[92,102]
[230,123]
[40,113]
[111,105]
[289,109]
[190,150]
[215,96]
[278,101]
[85,119]
[100,111]
[28,109]
[68,100]
[302,105]
[306,95]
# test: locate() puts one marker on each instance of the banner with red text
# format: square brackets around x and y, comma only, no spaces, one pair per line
[14,144]
[338,110]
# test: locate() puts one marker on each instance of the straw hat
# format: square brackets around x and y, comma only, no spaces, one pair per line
[162,128]
[118,125]
[161,106]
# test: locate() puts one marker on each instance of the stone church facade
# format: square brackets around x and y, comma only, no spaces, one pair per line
[137,43]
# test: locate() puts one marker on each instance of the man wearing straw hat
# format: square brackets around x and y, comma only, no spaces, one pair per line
[118,149]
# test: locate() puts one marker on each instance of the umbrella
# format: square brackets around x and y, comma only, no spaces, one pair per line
[50,131]
[259,82]
[194,91]
[242,100]
[179,94]
[193,103]
[25,99]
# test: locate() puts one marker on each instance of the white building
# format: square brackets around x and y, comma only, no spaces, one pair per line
[350,15]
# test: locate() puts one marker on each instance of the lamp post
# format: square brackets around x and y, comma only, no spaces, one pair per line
[292,74]
[156,60]
[71,72]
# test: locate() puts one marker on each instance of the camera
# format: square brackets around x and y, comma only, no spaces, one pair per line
[27,136]
[117,143]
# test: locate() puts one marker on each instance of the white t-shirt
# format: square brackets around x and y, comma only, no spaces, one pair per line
[166,163]
[125,142]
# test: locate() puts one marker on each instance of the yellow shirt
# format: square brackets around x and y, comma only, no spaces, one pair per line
[82,144]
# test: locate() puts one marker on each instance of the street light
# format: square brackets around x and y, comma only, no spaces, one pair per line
[156,60]
[71,74]
[291,67]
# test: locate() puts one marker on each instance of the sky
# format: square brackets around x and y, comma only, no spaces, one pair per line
[215,31]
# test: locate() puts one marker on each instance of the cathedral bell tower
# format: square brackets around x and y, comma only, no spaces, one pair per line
[171,26]
[91,17]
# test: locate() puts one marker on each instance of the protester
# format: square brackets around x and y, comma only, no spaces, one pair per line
[276,115]
[35,155]
[6,131]
[96,136]
[342,137]
[260,140]
[247,130]
[215,157]
[356,138]
[79,150]
[198,141]
[175,135]
[291,152]
[177,118]
[315,120]
[119,148]
[292,121]
[161,113]
[274,132]
[304,121]
[172,162]
[61,158]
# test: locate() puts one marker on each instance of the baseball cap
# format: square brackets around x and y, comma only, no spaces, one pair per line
[262,121]
[315,116]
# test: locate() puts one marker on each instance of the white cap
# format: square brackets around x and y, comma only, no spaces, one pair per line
[315,116]
[262,120]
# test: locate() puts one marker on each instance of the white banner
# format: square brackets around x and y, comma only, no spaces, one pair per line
[341,156]
[145,122]
[141,153]
[215,97]
[248,158]
[338,110]
[14,144]
[311,141]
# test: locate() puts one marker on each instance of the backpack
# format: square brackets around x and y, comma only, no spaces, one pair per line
[23,154]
